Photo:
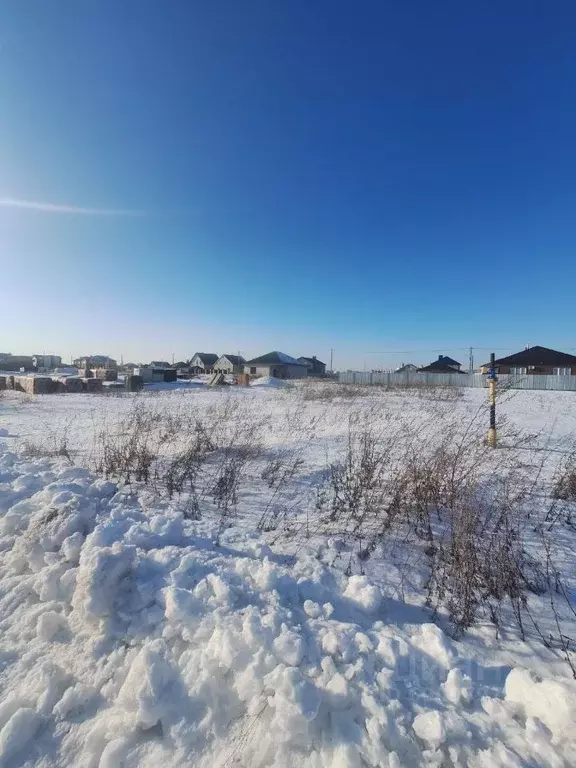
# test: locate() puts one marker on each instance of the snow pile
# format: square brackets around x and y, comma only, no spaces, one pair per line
[270,381]
[169,386]
[128,638]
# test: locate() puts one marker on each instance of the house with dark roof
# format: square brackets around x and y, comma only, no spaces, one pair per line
[535,360]
[203,362]
[407,368]
[444,364]
[278,365]
[315,367]
[230,364]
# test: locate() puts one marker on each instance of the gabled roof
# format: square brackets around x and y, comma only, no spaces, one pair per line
[275,358]
[438,367]
[442,365]
[208,358]
[312,360]
[537,356]
[444,360]
[234,359]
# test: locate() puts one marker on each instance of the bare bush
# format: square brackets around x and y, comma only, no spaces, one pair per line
[129,453]
[334,390]
[198,458]
[467,509]
[278,473]
[54,443]
[565,481]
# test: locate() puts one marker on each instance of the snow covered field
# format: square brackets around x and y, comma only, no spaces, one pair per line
[204,606]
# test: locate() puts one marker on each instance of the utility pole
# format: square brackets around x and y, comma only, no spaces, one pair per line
[471,360]
[331,360]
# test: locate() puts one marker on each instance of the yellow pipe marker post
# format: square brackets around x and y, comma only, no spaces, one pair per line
[492,379]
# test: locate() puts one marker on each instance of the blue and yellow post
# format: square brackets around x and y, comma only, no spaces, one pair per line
[492,379]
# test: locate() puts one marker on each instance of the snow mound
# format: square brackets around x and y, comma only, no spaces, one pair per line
[182,385]
[128,639]
[270,381]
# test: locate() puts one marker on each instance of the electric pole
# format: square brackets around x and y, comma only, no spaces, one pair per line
[331,360]
[471,360]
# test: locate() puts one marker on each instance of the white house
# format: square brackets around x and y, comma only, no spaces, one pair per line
[203,362]
[230,364]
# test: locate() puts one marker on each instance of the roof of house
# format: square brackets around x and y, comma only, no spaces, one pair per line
[444,364]
[234,359]
[444,360]
[160,364]
[438,367]
[537,356]
[275,358]
[208,358]
[406,367]
[312,360]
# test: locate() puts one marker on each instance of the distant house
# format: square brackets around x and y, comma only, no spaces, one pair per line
[46,361]
[160,364]
[230,364]
[95,361]
[203,362]
[16,363]
[407,368]
[278,365]
[315,367]
[444,364]
[535,360]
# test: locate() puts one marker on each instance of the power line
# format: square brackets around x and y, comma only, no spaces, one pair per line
[440,349]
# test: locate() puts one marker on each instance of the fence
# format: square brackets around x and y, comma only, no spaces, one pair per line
[563,383]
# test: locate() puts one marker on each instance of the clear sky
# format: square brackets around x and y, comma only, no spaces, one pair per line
[375,177]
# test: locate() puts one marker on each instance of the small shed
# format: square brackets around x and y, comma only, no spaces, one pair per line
[150,374]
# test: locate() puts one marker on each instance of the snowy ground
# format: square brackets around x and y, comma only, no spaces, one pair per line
[132,635]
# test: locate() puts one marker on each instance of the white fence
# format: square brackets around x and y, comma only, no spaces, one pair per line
[564,383]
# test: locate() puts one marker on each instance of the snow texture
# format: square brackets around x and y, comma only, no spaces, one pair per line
[129,638]
[270,382]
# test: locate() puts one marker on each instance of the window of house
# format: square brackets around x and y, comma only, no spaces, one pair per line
[561,371]
[518,371]
[253,370]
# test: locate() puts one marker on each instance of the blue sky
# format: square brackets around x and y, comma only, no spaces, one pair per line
[373,177]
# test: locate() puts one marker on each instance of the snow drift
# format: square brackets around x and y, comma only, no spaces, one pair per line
[128,638]
[270,381]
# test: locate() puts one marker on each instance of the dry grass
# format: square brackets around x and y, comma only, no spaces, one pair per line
[417,474]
